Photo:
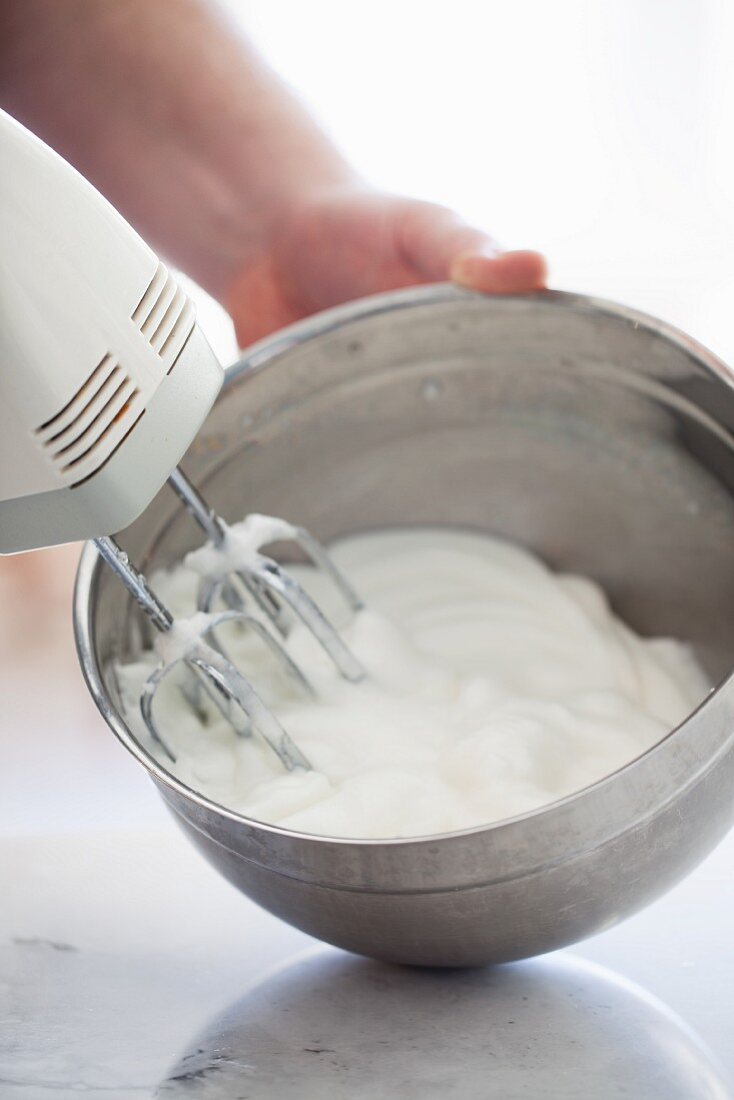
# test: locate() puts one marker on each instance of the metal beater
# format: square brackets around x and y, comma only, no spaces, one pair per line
[273,589]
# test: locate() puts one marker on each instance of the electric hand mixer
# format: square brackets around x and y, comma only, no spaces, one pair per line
[105,381]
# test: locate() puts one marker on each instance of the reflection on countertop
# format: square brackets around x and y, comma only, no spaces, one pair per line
[120,950]
[333,1025]
[329,1024]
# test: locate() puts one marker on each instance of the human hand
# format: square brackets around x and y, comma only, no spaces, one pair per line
[352,241]
[227,175]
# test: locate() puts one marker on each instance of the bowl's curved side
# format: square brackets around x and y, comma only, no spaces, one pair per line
[500,921]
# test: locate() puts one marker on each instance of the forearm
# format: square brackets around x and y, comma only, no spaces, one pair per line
[170,112]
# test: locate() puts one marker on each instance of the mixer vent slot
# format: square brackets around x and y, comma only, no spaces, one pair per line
[165,316]
[84,434]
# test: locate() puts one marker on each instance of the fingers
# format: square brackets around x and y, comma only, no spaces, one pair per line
[506,273]
[436,244]
[361,242]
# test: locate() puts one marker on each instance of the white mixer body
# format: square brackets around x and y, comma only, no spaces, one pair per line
[105,378]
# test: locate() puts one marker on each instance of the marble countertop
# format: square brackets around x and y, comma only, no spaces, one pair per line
[129,969]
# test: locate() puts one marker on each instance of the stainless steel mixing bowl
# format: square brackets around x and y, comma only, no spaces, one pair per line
[596,436]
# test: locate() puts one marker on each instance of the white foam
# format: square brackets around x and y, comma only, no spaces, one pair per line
[495,686]
[241,546]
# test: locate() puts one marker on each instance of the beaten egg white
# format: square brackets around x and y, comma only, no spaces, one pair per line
[494,686]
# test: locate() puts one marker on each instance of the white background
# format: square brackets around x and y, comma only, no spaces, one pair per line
[599,131]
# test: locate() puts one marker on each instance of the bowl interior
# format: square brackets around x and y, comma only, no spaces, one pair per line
[595,438]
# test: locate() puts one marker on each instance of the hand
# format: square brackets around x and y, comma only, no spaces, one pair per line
[226,175]
[351,242]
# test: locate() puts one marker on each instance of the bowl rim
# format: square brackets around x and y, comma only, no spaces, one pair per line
[263,354]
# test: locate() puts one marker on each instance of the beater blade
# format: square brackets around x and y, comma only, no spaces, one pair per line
[271,586]
[231,692]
